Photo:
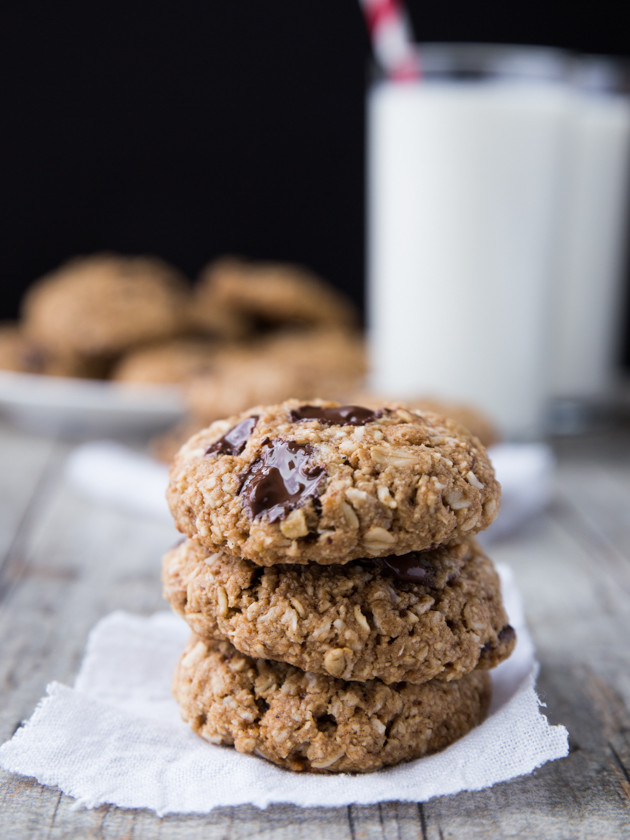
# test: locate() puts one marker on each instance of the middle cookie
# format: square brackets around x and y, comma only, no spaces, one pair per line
[412,617]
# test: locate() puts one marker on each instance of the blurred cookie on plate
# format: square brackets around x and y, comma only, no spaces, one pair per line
[105,304]
[250,296]
[168,363]
[20,354]
[309,364]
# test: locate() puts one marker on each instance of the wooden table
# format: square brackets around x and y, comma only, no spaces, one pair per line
[66,561]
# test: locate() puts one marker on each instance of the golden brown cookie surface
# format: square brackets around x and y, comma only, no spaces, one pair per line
[311,722]
[21,354]
[168,363]
[299,483]
[409,618]
[247,295]
[104,304]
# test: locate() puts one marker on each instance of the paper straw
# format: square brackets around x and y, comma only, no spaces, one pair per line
[392,39]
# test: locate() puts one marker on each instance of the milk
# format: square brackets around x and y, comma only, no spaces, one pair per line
[462,230]
[592,247]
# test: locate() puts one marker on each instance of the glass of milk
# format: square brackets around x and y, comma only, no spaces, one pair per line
[592,239]
[464,174]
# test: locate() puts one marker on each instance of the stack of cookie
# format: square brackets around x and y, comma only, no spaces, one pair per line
[343,616]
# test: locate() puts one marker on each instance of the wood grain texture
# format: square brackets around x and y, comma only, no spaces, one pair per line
[65,562]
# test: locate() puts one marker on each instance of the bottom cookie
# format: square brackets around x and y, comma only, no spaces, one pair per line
[312,722]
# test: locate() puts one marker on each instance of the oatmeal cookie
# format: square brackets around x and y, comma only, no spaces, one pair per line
[21,354]
[104,304]
[299,483]
[411,617]
[211,316]
[312,722]
[168,363]
[270,294]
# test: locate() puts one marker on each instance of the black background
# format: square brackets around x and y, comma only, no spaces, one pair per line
[194,129]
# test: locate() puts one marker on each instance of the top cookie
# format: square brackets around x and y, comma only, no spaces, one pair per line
[319,482]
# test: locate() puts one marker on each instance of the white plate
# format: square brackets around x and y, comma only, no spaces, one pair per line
[83,406]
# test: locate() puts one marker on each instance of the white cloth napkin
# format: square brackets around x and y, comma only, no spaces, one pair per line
[526,472]
[115,475]
[117,737]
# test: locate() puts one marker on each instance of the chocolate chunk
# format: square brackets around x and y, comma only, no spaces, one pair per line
[411,567]
[343,415]
[234,441]
[280,480]
[506,634]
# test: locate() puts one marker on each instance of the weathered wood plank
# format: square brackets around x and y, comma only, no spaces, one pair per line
[23,462]
[578,613]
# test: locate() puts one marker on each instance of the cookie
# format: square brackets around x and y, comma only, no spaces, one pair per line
[414,617]
[324,483]
[270,294]
[168,363]
[311,722]
[21,354]
[103,305]
[306,365]
[209,315]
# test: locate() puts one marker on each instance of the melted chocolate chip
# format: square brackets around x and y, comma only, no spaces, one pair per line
[343,415]
[506,634]
[411,567]
[281,479]
[234,441]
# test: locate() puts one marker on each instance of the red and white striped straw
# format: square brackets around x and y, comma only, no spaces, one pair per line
[392,39]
